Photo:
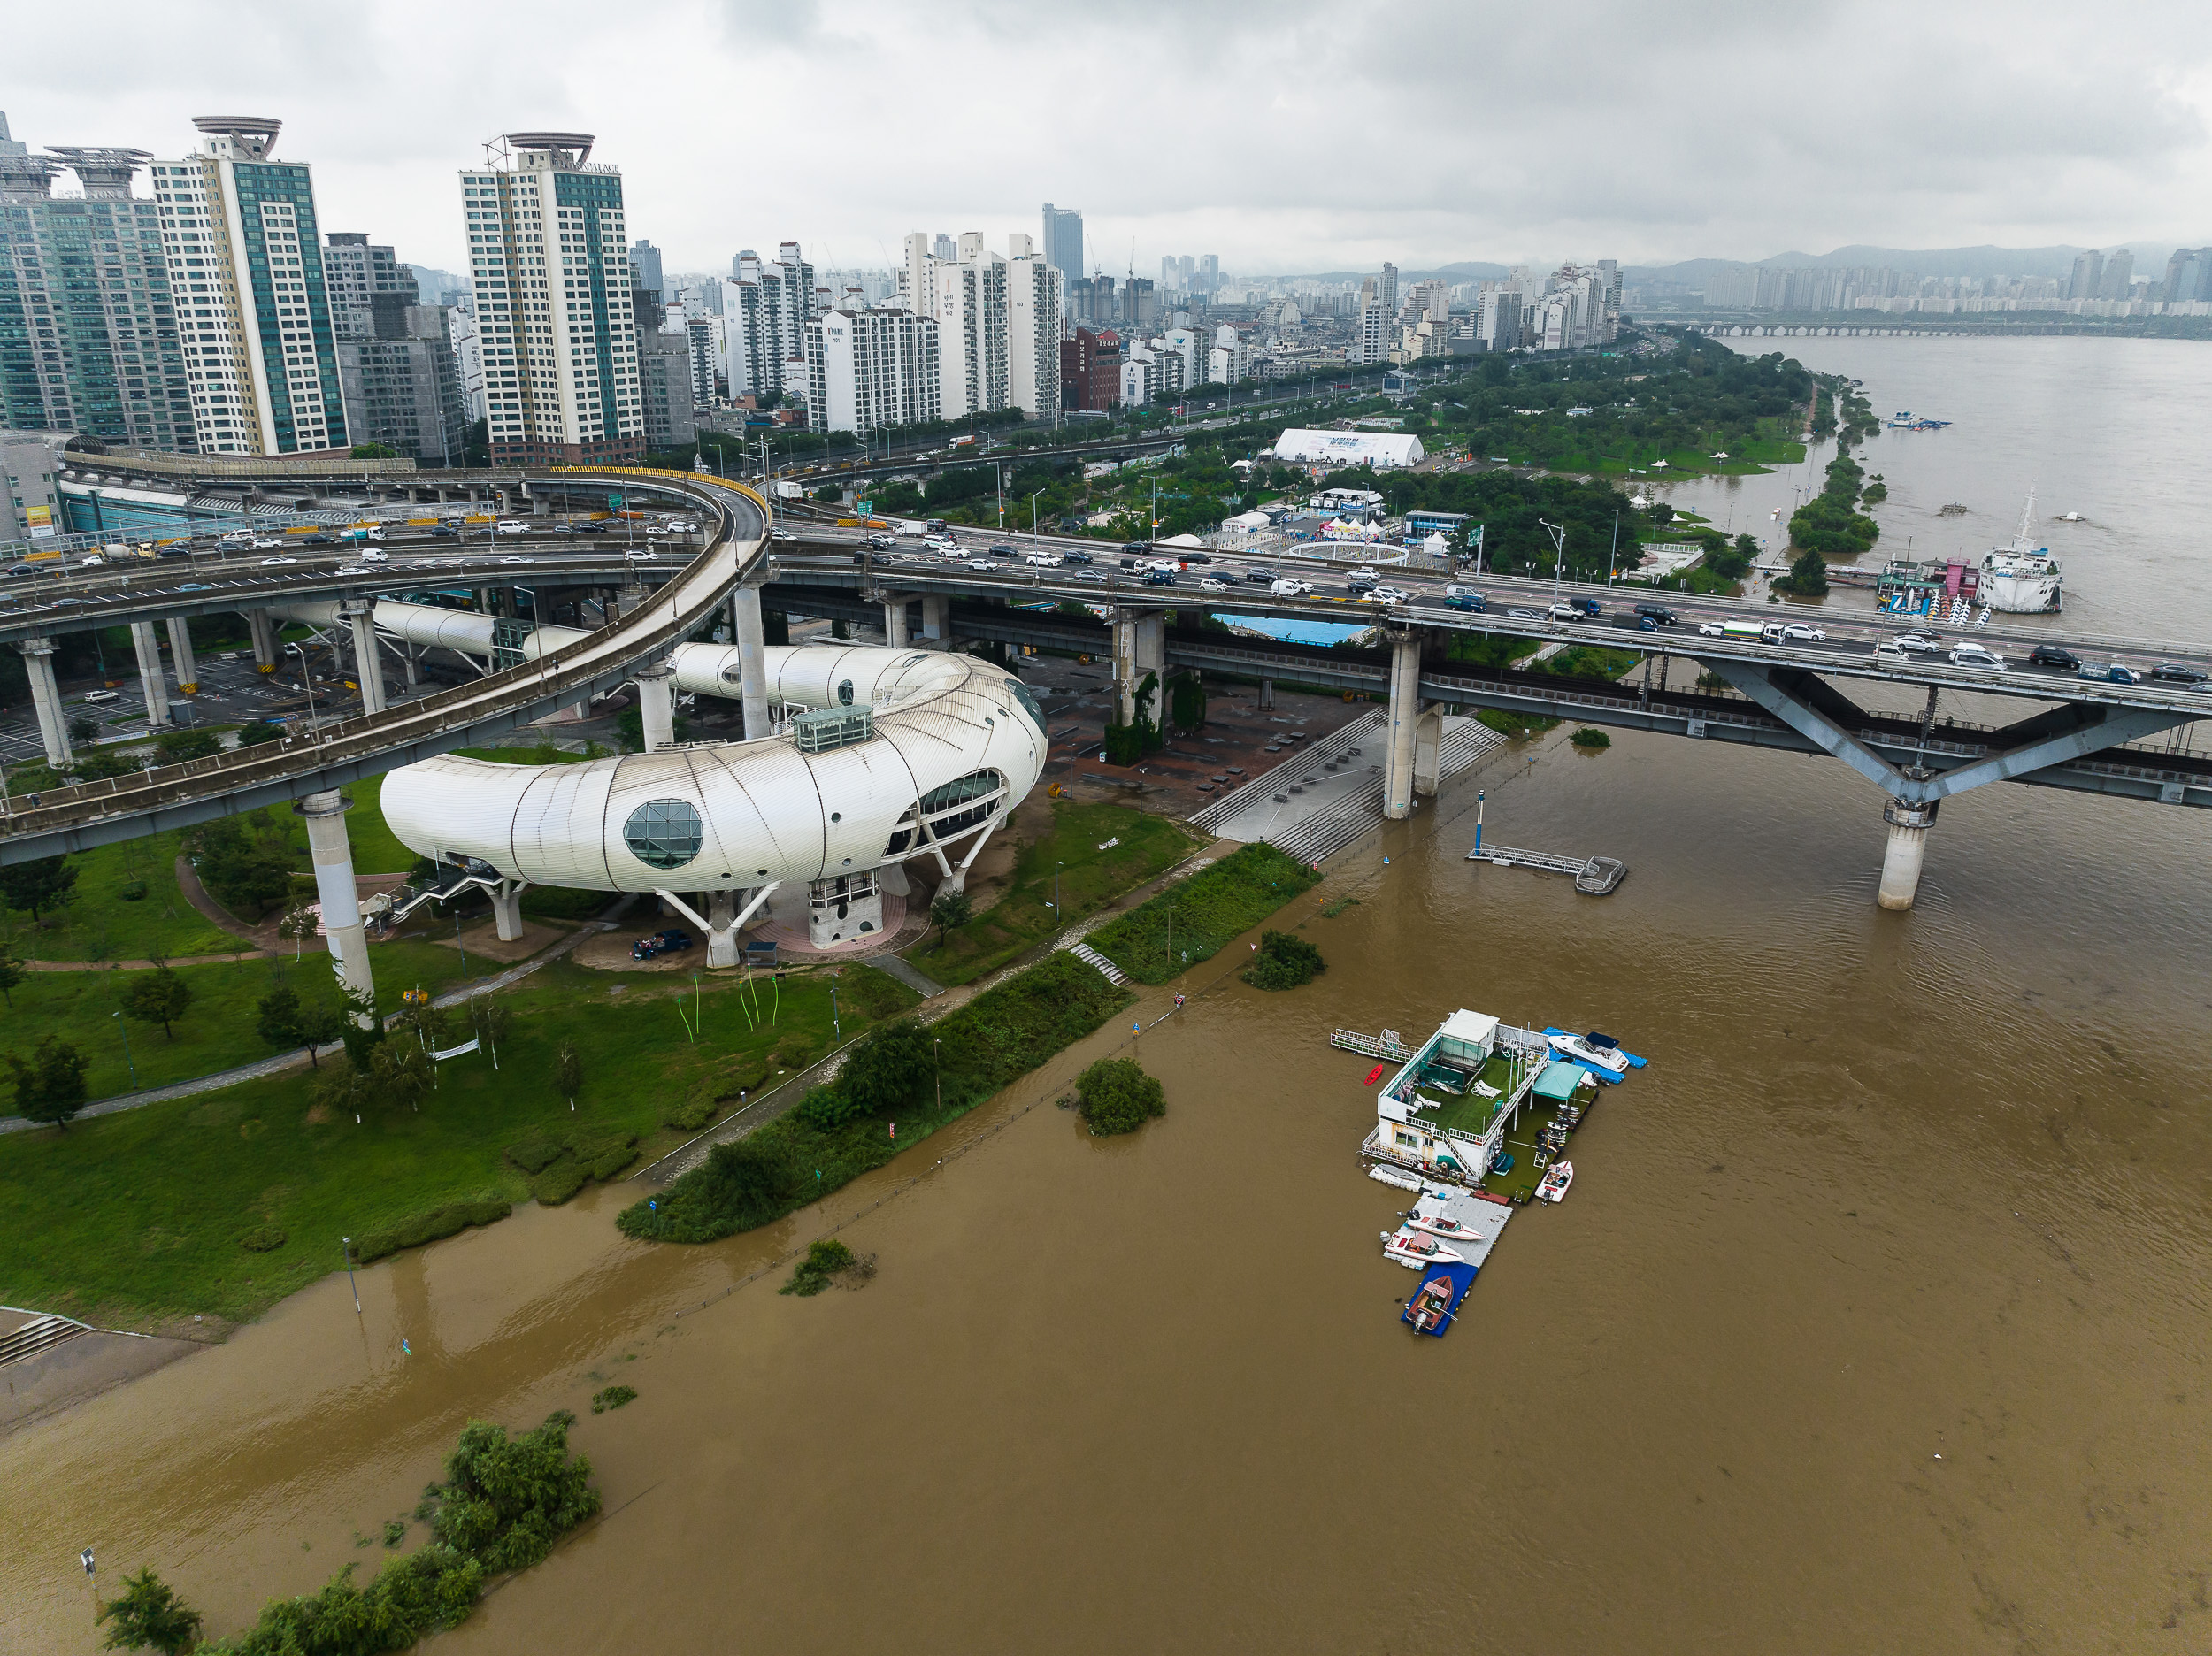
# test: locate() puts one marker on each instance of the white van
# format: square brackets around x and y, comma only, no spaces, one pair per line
[1289,588]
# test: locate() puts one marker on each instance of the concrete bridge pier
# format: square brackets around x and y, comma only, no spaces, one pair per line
[1267,693]
[752,658]
[894,620]
[359,615]
[148,648]
[657,704]
[325,813]
[1428,744]
[180,654]
[1908,847]
[1405,711]
[1139,648]
[937,620]
[53,725]
[262,632]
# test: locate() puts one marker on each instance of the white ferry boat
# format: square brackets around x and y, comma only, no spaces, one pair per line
[2021,578]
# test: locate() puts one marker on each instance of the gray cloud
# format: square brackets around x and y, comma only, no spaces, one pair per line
[1288,136]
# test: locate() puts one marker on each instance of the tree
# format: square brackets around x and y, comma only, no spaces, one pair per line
[50,1088]
[255,732]
[507,1499]
[400,1073]
[298,926]
[1285,961]
[1808,576]
[568,1072]
[157,997]
[178,746]
[1115,1096]
[82,729]
[35,885]
[151,1616]
[320,1023]
[11,973]
[278,1020]
[951,908]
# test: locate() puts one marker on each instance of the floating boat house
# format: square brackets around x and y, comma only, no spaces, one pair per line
[1446,1114]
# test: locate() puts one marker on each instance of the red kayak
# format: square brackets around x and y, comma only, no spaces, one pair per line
[1374,1074]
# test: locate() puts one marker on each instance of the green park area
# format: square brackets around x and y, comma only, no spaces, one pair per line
[1193,919]
[1098,852]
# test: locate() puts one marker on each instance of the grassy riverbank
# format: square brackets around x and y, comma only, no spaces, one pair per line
[1194,918]
[965,1058]
[137,1219]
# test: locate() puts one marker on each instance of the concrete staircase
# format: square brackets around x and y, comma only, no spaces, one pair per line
[1090,956]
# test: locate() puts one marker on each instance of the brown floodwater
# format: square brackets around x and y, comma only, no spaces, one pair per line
[1876,1321]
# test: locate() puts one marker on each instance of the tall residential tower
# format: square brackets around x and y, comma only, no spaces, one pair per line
[551,265]
[246,269]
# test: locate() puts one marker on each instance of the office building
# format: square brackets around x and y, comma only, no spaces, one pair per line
[402,378]
[1387,290]
[356,274]
[1498,319]
[1372,329]
[30,500]
[1207,276]
[2188,276]
[1140,377]
[2088,278]
[665,376]
[1063,242]
[871,370]
[550,258]
[645,269]
[2119,276]
[1090,370]
[88,339]
[468,355]
[241,234]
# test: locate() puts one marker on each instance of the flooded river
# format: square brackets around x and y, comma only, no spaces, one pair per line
[1876,1321]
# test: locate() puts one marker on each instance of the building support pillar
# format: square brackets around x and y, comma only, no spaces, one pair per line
[1139,651]
[53,724]
[326,817]
[1428,744]
[1405,707]
[1908,849]
[180,654]
[723,919]
[149,674]
[507,908]
[752,660]
[263,632]
[359,614]
[937,620]
[1267,695]
[894,621]
[657,704]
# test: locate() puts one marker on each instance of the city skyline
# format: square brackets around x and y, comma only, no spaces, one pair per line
[2120,151]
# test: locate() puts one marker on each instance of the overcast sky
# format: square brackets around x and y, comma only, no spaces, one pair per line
[1294,135]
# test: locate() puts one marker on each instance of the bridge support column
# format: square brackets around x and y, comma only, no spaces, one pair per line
[180,654]
[150,675]
[263,632]
[326,817]
[1405,709]
[359,615]
[937,620]
[53,724]
[752,659]
[657,704]
[1428,743]
[895,634]
[507,908]
[1139,651]
[1267,693]
[1907,847]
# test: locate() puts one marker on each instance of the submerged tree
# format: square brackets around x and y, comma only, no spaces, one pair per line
[149,1615]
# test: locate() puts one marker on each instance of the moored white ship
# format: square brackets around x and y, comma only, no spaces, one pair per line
[2021,578]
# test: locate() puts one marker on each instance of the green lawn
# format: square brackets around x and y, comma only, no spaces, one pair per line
[1194,918]
[134,1217]
[98,924]
[216,1030]
[1089,880]
[376,848]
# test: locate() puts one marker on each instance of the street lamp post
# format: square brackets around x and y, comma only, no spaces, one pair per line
[1033,512]
[307,679]
[126,1029]
[1559,545]
[348,1243]
[937,1064]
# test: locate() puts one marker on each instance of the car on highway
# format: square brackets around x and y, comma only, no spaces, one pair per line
[939,543]
[1360,585]
[2178,673]
[2112,672]
[262,543]
[1160,575]
[1453,590]
[1792,632]
[2052,656]
[585,525]
[355,568]
[1367,572]
[520,558]
[1039,560]
[444,531]
[1076,555]
[1979,656]
[1389,594]
[1562,612]
[982,566]
[1658,613]
[317,539]
[640,554]
[1913,643]
[103,696]
[1523,614]
[273,562]
[1290,588]
[513,526]
[882,543]
[196,586]
[1260,577]
[1211,585]
[656,529]
[21,569]
[1470,602]
[369,554]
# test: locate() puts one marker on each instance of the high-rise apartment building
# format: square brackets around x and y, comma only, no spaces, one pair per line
[870,371]
[665,373]
[705,336]
[2088,277]
[1035,300]
[645,269]
[402,377]
[1498,319]
[2188,276]
[2119,276]
[253,303]
[356,272]
[88,324]
[1063,242]
[765,313]
[550,261]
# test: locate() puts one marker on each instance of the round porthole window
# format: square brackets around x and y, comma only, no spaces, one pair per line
[664,833]
[845,691]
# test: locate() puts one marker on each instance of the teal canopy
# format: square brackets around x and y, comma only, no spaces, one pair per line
[1559,1081]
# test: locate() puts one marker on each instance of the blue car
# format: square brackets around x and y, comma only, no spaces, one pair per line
[661,943]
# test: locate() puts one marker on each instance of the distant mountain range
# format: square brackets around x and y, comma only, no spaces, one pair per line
[2150,261]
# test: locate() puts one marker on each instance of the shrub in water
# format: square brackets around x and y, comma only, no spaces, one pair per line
[1588,737]
[1284,961]
[558,1183]
[822,1262]
[430,1227]
[612,1398]
[1117,1097]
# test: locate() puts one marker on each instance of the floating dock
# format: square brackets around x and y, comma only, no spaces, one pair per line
[1594,876]
[1385,1045]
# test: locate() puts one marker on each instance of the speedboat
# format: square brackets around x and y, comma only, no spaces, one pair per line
[1414,1252]
[1428,1307]
[1443,1224]
[1554,1188]
[1580,1049]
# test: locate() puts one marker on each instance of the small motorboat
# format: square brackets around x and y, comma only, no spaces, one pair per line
[1429,1308]
[1386,1174]
[2070,518]
[1443,1225]
[1581,1049]
[1554,1188]
[1414,1252]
